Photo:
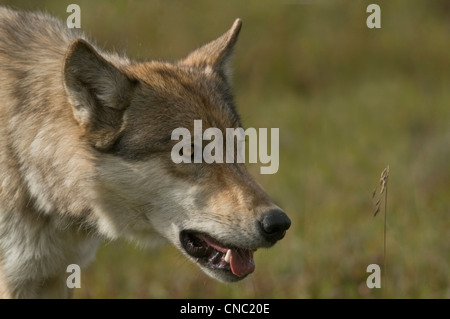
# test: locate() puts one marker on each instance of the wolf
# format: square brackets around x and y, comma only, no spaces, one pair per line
[85,143]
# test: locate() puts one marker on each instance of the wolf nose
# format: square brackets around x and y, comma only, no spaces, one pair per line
[274,225]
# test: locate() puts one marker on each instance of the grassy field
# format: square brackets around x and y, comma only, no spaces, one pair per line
[348,101]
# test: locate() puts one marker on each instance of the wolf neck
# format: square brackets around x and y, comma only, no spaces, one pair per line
[53,163]
[58,184]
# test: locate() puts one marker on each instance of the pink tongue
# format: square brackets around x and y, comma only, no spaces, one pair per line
[241,262]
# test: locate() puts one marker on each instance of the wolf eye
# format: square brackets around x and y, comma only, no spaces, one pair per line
[188,154]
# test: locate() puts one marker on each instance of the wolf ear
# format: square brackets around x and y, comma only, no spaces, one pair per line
[215,55]
[98,92]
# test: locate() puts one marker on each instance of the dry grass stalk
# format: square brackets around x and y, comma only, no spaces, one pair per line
[383,183]
[384,190]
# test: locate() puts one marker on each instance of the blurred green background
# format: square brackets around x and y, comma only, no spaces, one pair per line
[348,101]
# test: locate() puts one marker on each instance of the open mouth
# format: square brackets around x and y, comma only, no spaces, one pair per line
[208,252]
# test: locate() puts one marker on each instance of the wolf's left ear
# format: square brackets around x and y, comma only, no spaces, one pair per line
[98,91]
[215,56]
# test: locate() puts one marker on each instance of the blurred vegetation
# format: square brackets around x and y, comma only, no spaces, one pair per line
[348,101]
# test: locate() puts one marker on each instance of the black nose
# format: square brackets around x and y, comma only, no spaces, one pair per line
[274,225]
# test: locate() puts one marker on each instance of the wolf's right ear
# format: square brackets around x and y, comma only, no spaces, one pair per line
[98,91]
[216,55]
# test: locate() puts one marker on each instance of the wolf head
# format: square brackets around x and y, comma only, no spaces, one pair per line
[216,214]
